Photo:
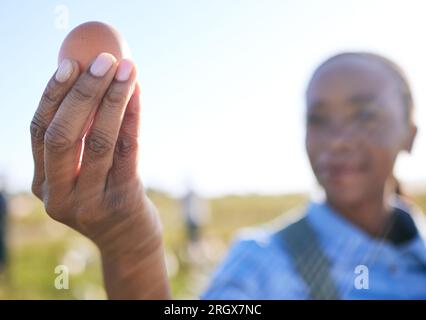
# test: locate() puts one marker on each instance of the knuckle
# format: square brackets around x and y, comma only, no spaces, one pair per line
[37,127]
[114,98]
[56,139]
[126,145]
[98,142]
[82,92]
[51,96]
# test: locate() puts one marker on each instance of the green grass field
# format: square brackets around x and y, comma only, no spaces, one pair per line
[38,245]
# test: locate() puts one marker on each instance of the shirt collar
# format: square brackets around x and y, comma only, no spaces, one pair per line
[338,232]
[332,226]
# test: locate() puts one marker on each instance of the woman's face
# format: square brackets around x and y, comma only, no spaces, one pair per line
[356,126]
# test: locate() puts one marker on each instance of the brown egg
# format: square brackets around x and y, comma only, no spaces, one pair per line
[89,39]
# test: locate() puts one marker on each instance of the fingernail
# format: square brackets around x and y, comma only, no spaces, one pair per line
[124,70]
[64,71]
[102,64]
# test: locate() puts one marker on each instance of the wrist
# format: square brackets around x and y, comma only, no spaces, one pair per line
[139,233]
[136,271]
[133,259]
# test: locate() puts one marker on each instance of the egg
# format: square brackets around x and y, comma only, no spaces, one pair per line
[89,39]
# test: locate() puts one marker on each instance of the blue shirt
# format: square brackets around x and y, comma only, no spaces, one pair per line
[258,267]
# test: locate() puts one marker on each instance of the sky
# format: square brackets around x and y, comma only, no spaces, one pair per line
[222,82]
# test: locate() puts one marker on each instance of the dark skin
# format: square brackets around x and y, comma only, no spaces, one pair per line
[356,126]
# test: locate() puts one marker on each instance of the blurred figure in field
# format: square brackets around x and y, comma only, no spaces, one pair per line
[3,225]
[195,213]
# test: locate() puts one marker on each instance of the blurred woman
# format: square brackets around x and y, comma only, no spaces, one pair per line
[365,240]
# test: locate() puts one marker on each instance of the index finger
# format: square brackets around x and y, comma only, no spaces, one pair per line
[65,134]
[55,91]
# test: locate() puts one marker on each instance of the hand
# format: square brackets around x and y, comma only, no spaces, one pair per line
[85,148]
